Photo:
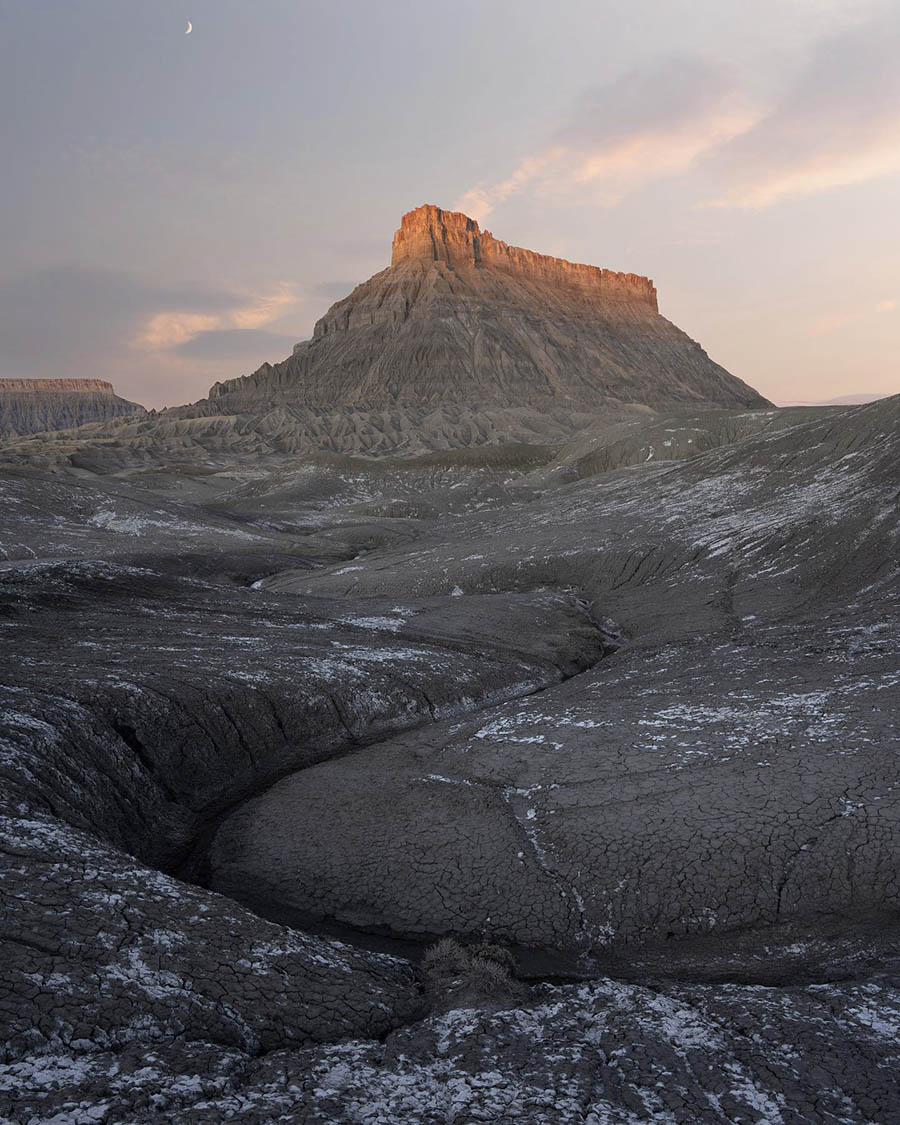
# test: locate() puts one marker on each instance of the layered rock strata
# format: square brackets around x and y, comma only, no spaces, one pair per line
[30,406]
[460,317]
[431,234]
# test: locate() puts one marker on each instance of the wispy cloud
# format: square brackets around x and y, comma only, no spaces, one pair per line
[169,329]
[651,123]
[836,123]
[478,202]
[173,328]
[266,308]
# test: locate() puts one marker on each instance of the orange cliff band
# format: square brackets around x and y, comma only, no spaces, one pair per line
[430,234]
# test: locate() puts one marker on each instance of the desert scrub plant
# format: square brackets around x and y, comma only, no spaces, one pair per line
[499,954]
[454,975]
[446,959]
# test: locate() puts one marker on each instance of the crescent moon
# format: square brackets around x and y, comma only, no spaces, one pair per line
[190,28]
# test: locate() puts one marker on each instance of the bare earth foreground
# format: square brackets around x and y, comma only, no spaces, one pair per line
[620,702]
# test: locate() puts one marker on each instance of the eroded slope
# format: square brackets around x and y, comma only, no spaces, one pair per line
[731,767]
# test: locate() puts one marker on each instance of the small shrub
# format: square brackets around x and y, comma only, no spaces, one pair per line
[446,959]
[488,951]
[456,976]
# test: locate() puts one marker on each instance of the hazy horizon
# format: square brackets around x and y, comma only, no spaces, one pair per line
[178,209]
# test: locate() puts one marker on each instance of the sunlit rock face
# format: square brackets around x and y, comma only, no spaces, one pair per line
[29,406]
[462,318]
[430,234]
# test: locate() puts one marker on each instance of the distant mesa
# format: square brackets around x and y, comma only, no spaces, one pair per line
[56,386]
[859,398]
[463,319]
[29,406]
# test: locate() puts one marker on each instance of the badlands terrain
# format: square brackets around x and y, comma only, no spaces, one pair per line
[488,714]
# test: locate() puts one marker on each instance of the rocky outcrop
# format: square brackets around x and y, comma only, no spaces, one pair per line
[160,962]
[30,406]
[604,1052]
[462,318]
[430,234]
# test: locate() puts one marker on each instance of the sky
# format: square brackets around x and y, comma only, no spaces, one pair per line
[178,209]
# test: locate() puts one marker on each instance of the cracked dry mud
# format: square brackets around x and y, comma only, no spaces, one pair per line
[262,738]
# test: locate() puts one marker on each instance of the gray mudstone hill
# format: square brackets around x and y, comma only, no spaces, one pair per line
[29,406]
[460,318]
